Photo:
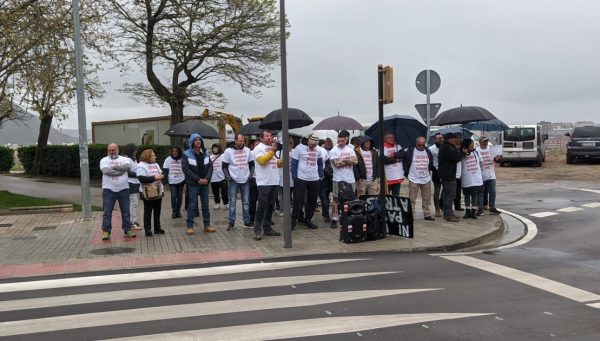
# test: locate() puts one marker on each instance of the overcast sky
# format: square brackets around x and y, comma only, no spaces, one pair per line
[525,60]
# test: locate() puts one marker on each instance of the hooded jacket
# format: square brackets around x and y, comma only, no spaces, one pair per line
[448,157]
[196,166]
[360,170]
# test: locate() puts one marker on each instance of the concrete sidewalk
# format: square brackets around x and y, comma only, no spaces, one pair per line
[41,244]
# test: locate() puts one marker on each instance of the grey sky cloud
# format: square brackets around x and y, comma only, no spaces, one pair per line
[523,60]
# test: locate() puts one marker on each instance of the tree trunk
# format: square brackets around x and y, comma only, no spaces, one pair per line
[176,117]
[45,125]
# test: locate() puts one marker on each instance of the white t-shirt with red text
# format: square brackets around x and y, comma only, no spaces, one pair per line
[368,159]
[217,175]
[344,173]
[176,175]
[488,171]
[419,168]
[115,183]
[266,175]
[308,169]
[238,163]
[471,171]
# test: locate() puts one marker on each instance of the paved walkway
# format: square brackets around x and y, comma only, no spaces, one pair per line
[41,244]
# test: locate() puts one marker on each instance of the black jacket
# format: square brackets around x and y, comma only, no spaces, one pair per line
[194,171]
[360,171]
[407,161]
[448,157]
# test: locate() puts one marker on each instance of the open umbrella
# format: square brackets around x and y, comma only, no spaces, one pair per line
[465,133]
[251,128]
[339,123]
[296,118]
[491,125]
[186,128]
[405,128]
[462,115]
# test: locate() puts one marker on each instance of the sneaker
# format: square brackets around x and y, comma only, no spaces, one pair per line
[249,225]
[430,218]
[257,236]
[333,224]
[130,234]
[136,226]
[105,235]
[452,219]
[209,229]
[493,210]
[272,233]
[189,231]
[225,207]
[159,231]
[479,212]
[217,206]
[230,227]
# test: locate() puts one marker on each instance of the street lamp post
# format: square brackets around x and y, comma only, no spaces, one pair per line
[287,223]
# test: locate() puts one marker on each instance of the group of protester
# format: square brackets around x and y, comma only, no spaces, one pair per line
[317,167]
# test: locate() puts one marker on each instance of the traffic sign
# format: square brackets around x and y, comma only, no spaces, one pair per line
[434,81]
[422,109]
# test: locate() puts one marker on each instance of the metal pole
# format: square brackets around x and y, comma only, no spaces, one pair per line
[381,152]
[287,215]
[428,105]
[83,149]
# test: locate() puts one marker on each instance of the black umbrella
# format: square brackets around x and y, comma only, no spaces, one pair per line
[296,117]
[405,128]
[339,123]
[462,115]
[252,128]
[186,128]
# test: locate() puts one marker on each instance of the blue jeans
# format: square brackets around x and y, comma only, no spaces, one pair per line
[108,204]
[176,196]
[489,192]
[245,195]
[195,192]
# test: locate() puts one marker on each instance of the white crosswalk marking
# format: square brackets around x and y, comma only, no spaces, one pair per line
[106,318]
[592,205]
[570,209]
[159,275]
[543,214]
[302,328]
[45,302]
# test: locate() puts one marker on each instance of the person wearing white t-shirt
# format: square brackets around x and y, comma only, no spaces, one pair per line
[217,182]
[176,178]
[307,171]
[418,163]
[438,139]
[237,164]
[367,168]
[471,178]
[342,158]
[149,172]
[488,197]
[115,187]
[393,154]
[267,182]
[130,151]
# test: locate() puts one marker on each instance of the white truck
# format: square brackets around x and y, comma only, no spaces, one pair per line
[523,143]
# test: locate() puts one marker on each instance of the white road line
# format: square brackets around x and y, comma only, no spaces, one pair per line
[570,209]
[45,302]
[594,305]
[584,189]
[159,275]
[108,318]
[543,214]
[592,205]
[303,328]
[535,281]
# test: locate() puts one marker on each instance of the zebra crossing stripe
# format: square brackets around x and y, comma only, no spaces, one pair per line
[570,209]
[161,275]
[131,294]
[303,328]
[106,318]
[592,205]
[543,214]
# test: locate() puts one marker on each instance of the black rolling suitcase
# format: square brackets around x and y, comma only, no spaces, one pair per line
[353,222]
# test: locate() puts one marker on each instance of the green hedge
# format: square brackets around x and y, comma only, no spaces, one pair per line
[7,158]
[63,161]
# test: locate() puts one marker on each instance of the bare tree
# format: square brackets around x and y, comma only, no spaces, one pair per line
[197,44]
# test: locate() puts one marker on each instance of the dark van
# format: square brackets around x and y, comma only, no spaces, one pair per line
[584,143]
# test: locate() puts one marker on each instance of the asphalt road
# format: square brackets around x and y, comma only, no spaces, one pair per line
[544,289]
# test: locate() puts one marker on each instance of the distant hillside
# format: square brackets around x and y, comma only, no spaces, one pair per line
[26,133]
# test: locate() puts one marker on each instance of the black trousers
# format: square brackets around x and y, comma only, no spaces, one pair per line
[264,209]
[458,191]
[305,192]
[152,208]
[448,195]
[223,188]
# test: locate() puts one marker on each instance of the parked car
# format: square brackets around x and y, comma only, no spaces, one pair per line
[584,143]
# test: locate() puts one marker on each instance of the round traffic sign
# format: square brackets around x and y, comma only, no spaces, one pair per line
[434,81]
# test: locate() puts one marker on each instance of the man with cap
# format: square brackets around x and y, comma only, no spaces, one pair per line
[449,156]
[367,169]
[307,171]
[197,167]
[488,173]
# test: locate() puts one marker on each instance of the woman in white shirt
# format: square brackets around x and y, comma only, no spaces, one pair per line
[471,178]
[217,181]
[148,171]
[173,172]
